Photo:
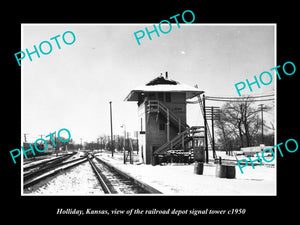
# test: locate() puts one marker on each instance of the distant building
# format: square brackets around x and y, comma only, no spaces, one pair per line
[162,115]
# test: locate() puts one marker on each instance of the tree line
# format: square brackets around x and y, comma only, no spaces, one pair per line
[240,125]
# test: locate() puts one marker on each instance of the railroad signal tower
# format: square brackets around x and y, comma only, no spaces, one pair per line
[162,116]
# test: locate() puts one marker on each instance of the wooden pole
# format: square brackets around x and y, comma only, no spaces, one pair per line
[262,124]
[205,128]
[182,141]
[212,130]
[124,150]
[111,132]
[131,150]
[168,125]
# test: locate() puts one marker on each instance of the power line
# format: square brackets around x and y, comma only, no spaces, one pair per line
[245,100]
[235,99]
[258,96]
[225,100]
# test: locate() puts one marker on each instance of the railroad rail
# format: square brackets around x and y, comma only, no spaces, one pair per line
[114,181]
[111,179]
[46,162]
[49,169]
[105,184]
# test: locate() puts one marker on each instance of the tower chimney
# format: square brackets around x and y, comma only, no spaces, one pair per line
[166,74]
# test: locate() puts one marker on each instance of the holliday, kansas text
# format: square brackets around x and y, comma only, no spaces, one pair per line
[81,212]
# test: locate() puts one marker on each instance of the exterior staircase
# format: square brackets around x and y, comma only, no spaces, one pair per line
[180,141]
[185,133]
[155,106]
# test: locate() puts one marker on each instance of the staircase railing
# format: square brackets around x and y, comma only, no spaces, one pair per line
[190,132]
[157,106]
[176,140]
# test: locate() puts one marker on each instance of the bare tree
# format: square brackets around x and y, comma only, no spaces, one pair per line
[239,121]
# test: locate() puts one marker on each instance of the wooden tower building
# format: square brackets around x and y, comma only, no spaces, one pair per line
[162,116]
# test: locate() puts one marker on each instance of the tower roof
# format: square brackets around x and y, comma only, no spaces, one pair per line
[161,80]
[162,84]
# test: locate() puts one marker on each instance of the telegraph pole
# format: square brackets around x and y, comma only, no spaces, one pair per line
[56,146]
[212,129]
[212,113]
[111,132]
[25,140]
[41,137]
[262,123]
[124,151]
[205,128]
[168,126]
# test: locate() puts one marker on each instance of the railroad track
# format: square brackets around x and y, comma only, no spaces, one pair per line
[111,180]
[44,163]
[48,169]
[114,181]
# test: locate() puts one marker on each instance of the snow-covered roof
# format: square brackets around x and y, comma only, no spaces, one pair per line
[161,84]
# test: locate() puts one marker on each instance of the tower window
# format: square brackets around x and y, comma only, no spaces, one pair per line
[161,96]
[151,96]
[168,97]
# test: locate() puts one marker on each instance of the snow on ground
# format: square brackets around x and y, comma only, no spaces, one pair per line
[180,179]
[79,180]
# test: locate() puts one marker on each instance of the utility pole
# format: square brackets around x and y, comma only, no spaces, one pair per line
[168,126]
[25,140]
[98,144]
[111,131]
[212,129]
[124,151]
[56,146]
[81,144]
[212,113]
[205,128]
[41,137]
[262,123]
[52,142]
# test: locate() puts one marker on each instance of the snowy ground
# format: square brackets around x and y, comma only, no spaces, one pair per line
[181,180]
[79,180]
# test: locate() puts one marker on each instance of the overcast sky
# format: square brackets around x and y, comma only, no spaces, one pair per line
[71,87]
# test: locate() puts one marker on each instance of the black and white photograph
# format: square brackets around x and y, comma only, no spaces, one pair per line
[161,116]
[150,114]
